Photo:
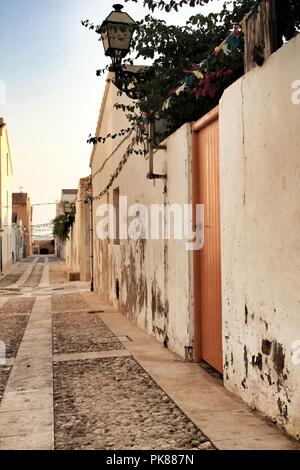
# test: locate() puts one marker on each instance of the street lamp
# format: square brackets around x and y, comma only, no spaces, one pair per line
[116,33]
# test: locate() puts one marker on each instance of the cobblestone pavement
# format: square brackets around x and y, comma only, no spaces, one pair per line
[14,316]
[35,277]
[102,401]
[13,277]
[12,330]
[18,305]
[113,404]
[100,392]
[108,403]
[68,303]
[4,374]
[81,332]
[9,280]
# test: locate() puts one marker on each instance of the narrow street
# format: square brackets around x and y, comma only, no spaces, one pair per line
[78,375]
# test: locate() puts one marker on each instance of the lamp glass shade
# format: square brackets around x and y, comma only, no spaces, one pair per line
[116,32]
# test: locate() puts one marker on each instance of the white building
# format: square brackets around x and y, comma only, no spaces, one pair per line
[234,303]
[67,195]
[6,174]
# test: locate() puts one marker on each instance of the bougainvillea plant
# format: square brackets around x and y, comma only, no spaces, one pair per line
[62,224]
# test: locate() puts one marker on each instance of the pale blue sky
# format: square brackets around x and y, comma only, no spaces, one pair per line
[48,64]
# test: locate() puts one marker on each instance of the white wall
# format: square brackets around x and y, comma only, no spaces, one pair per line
[77,248]
[154,275]
[260,196]
[60,248]
[5,198]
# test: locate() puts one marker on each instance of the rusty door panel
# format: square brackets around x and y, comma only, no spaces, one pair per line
[208,279]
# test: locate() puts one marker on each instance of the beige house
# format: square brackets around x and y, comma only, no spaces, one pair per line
[67,196]
[234,303]
[22,216]
[78,247]
[140,277]
[6,174]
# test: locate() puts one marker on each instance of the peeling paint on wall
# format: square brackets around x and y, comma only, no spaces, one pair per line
[155,276]
[260,237]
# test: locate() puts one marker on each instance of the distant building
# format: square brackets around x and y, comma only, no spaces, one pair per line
[67,195]
[43,247]
[6,173]
[17,242]
[78,247]
[22,217]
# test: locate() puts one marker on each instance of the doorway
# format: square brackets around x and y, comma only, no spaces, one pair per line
[207,262]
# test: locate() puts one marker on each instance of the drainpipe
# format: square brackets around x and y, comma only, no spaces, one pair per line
[92,237]
[197,351]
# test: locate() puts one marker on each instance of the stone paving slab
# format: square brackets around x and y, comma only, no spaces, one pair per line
[44,280]
[24,400]
[27,427]
[34,441]
[224,425]
[25,370]
[20,422]
[274,442]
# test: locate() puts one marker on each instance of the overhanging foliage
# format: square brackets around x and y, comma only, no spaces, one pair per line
[62,225]
[172,51]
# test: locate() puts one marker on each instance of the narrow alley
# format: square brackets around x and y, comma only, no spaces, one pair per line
[79,375]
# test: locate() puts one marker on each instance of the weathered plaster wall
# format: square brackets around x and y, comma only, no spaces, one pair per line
[77,248]
[152,277]
[260,198]
[6,174]
[66,196]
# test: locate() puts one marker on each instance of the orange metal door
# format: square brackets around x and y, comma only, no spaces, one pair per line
[208,312]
